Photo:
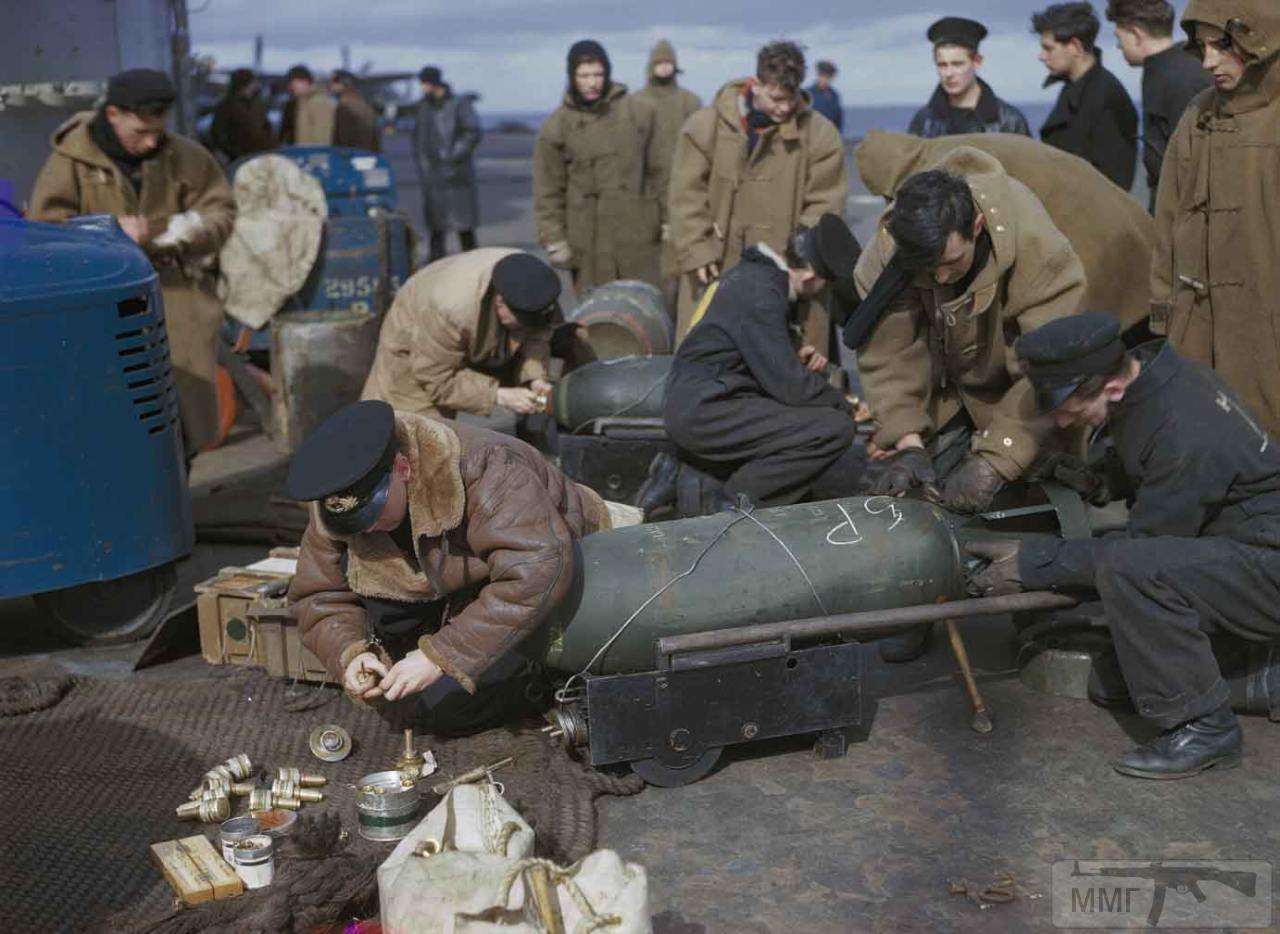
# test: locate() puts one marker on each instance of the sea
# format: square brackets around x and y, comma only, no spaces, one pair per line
[857,120]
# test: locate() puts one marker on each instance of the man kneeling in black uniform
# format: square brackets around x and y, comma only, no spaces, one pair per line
[1200,554]
[742,404]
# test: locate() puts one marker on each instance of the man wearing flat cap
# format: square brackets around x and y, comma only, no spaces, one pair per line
[468,333]
[435,555]
[963,102]
[171,197]
[742,402]
[1200,554]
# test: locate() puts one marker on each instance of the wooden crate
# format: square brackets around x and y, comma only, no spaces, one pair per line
[286,656]
[227,635]
[244,620]
[195,871]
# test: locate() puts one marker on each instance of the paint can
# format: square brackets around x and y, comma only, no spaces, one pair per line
[233,831]
[255,860]
[386,806]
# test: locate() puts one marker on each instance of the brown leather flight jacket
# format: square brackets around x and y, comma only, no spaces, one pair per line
[1215,271]
[487,511]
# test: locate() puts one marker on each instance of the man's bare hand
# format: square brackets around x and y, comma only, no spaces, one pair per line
[134,225]
[363,674]
[540,387]
[518,399]
[810,357]
[413,673]
[708,273]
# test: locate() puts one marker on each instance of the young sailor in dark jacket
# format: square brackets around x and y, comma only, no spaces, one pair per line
[1093,117]
[742,401]
[963,102]
[1201,552]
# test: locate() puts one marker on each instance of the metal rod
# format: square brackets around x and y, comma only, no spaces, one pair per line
[981,713]
[867,621]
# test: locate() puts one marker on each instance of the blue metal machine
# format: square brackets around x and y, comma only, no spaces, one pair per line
[93,496]
[356,183]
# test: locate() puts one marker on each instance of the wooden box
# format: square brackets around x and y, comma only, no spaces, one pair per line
[244,620]
[195,871]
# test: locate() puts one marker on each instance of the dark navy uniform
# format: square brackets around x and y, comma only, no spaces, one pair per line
[1201,552]
[741,404]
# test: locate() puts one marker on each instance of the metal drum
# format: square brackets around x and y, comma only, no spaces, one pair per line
[362,262]
[319,362]
[838,556]
[626,318]
[386,806]
[625,387]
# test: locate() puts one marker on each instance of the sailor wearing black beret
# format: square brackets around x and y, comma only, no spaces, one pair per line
[744,401]
[1200,554]
[470,333]
[435,553]
[963,102]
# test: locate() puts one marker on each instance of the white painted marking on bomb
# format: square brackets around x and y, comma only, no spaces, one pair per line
[848,521]
[891,506]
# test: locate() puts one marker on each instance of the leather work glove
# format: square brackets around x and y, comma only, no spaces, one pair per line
[972,486]
[560,255]
[1074,474]
[1000,574]
[907,470]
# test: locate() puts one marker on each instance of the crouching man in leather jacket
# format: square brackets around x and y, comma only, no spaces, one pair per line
[435,556]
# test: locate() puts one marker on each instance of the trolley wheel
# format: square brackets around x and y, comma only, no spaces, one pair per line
[665,775]
[112,612]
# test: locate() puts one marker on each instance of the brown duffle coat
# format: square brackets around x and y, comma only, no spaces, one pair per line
[1108,229]
[79,178]
[598,181]
[724,199]
[1215,271]
[441,343]
[935,352]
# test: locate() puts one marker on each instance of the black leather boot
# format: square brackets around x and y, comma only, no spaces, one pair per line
[1203,743]
[659,488]
[907,646]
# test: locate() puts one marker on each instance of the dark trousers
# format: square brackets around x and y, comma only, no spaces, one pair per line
[774,453]
[512,688]
[1163,598]
[439,248]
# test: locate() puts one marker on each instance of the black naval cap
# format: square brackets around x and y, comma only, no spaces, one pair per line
[956,30]
[345,465]
[1062,354]
[141,89]
[829,246]
[529,287]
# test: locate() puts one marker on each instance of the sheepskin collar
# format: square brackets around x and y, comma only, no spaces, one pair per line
[376,567]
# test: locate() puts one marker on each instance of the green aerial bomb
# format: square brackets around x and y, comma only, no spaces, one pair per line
[790,562]
[625,387]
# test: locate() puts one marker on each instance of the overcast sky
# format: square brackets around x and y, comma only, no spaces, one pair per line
[512,52]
